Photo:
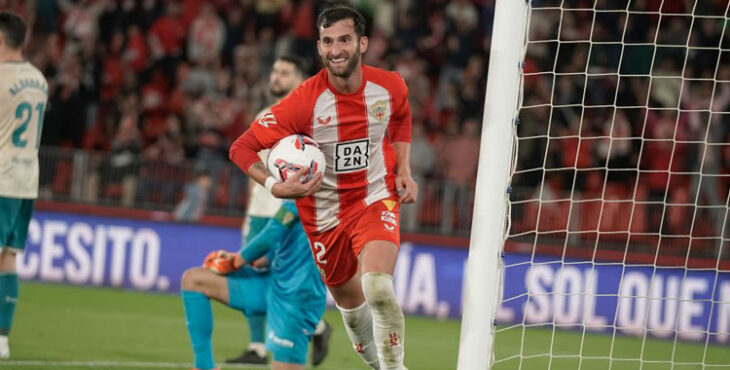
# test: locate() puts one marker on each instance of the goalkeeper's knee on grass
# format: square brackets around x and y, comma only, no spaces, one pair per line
[388,321]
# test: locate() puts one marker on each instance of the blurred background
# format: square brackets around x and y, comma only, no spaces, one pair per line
[623,158]
[147,96]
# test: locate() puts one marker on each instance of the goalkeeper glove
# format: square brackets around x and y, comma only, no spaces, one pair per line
[220,262]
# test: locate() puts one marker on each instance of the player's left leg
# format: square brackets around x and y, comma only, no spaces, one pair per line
[378,260]
[376,239]
[15,215]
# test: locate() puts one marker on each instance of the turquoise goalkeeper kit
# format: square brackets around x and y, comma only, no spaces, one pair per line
[296,297]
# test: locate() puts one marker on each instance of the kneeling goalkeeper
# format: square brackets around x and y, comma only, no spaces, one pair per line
[294,302]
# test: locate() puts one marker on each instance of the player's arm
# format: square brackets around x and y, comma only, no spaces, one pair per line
[399,131]
[404,184]
[243,154]
[268,128]
[268,238]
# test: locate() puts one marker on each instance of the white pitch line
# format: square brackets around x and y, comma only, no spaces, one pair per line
[137,364]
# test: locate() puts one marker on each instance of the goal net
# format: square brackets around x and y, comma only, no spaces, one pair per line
[615,251]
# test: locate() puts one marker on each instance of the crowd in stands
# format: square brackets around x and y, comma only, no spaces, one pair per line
[640,136]
[177,81]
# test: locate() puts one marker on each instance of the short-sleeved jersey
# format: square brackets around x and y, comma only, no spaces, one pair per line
[23,98]
[355,132]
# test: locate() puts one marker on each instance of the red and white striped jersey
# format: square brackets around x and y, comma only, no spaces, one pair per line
[355,132]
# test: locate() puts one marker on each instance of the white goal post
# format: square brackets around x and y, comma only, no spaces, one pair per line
[601,228]
[483,283]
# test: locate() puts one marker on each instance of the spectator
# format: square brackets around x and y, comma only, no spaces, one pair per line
[207,36]
[461,173]
[422,164]
[195,200]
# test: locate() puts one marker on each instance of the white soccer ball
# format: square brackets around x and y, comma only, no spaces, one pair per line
[293,153]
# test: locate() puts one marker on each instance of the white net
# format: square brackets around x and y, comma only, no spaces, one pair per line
[618,256]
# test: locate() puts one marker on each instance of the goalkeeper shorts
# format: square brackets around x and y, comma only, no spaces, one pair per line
[247,290]
[290,326]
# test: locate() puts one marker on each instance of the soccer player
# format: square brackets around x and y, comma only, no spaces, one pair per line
[23,97]
[295,300]
[361,118]
[286,74]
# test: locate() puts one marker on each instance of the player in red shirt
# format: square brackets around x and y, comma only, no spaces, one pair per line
[361,118]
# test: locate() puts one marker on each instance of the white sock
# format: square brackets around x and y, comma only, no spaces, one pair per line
[321,327]
[4,348]
[359,327]
[259,347]
[388,322]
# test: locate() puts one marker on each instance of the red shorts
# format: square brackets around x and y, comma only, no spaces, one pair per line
[335,251]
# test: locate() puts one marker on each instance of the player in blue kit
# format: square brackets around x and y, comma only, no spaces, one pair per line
[294,302]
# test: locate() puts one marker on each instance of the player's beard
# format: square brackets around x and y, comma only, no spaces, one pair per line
[278,92]
[352,62]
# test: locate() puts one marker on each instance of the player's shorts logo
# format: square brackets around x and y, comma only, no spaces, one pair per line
[389,219]
[352,155]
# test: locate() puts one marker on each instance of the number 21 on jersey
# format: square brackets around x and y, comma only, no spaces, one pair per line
[24,113]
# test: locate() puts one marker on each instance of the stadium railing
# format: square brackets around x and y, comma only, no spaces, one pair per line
[131,181]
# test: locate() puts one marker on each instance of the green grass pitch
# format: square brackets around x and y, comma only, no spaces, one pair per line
[66,327]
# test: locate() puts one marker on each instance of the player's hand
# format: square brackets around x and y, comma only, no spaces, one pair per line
[220,262]
[406,188]
[293,188]
[261,263]
[238,261]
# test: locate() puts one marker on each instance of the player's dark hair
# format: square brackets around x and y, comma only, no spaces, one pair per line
[297,62]
[339,12]
[13,29]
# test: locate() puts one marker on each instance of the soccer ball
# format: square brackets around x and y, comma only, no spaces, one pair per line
[293,153]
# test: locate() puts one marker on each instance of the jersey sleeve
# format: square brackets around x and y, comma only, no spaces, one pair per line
[399,128]
[272,234]
[288,117]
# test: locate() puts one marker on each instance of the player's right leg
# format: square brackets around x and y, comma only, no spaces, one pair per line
[376,240]
[198,286]
[320,342]
[8,298]
[339,269]
[15,214]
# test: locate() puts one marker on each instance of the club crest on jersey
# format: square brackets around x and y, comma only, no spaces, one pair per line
[379,109]
[267,119]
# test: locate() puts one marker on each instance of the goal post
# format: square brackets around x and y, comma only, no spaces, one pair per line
[601,228]
[483,284]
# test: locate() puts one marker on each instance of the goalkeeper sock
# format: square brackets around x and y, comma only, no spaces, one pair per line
[199,320]
[8,298]
[388,322]
[256,326]
[359,327]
